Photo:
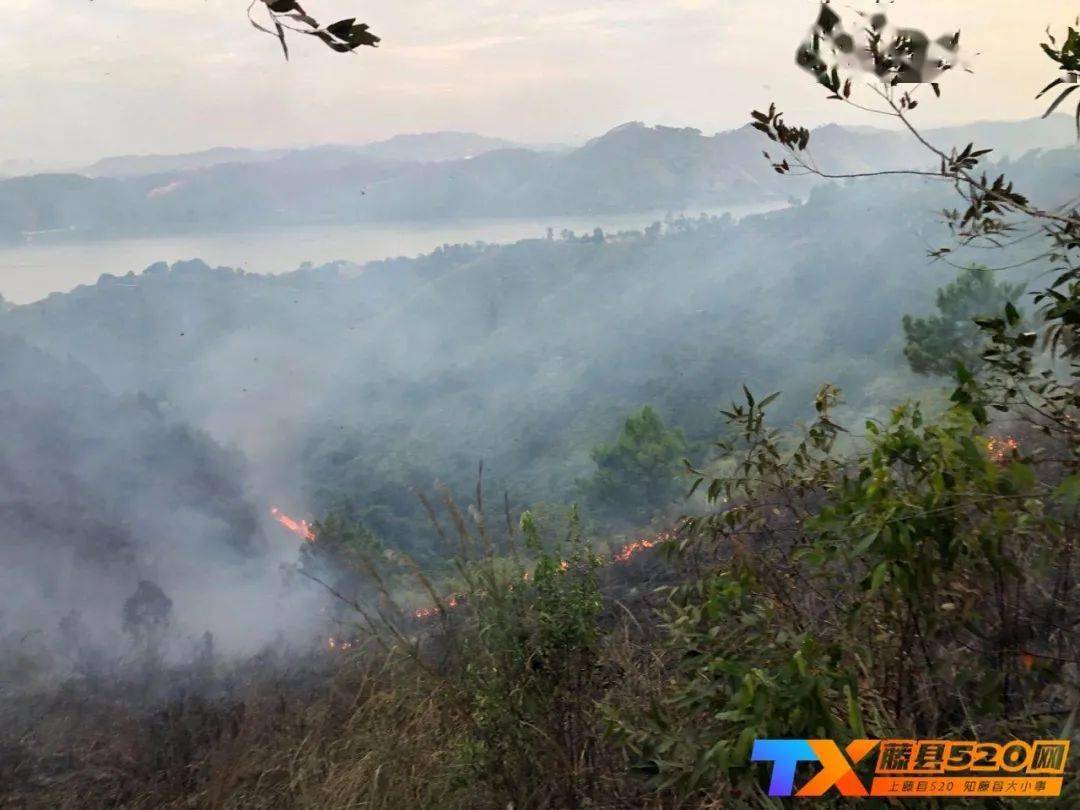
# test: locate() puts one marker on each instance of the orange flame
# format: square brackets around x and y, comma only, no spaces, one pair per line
[1001,448]
[630,549]
[301,528]
[451,602]
[338,644]
[624,554]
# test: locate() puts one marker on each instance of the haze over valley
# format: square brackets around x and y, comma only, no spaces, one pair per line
[524,458]
[339,386]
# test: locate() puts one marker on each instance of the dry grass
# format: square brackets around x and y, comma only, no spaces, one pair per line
[364,729]
[369,732]
[383,736]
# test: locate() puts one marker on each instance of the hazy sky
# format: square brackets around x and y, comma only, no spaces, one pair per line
[81,79]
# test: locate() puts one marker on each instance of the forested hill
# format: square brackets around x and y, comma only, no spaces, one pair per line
[631,168]
[344,384]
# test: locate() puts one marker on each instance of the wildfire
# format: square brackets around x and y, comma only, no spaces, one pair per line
[630,549]
[624,554]
[301,528]
[1001,448]
[340,645]
[451,603]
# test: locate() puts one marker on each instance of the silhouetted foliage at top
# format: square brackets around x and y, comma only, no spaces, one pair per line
[994,214]
[895,55]
[1068,59]
[343,36]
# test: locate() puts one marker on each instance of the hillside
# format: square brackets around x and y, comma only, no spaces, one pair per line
[631,168]
[339,389]
[99,492]
[343,385]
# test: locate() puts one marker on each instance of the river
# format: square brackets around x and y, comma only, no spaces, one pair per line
[47,265]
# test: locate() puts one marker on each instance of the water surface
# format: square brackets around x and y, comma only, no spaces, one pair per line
[49,264]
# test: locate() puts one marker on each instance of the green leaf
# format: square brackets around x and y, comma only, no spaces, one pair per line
[877,579]
[1023,476]
[1069,490]
[855,720]
[866,542]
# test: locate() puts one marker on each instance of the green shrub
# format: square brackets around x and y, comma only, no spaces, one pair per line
[638,473]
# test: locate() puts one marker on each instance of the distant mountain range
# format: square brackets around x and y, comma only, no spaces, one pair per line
[422,148]
[450,175]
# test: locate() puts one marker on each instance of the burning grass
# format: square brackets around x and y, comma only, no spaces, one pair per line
[371,728]
[388,712]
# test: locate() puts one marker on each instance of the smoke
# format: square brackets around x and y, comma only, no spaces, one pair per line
[100,493]
[196,399]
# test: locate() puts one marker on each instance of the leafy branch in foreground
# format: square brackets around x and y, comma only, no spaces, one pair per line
[899,63]
[923,583]
[921,586]
[994,215]
[1068,59]
[343,36]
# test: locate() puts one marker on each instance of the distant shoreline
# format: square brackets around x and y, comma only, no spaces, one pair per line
[34,270]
